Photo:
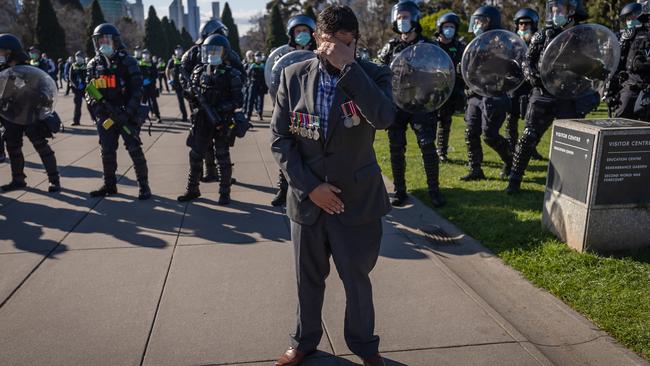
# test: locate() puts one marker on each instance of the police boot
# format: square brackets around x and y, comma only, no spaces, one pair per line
[431,165]
[109,163]
[141,173]
[500,145]
[49,162]
[520,161]
[280,198]
[398,165]
[225,171]
[17,162]
[192,190]
[474,158]
[535,155]
[443,143]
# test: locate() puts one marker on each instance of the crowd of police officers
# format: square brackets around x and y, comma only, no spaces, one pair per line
[222,92]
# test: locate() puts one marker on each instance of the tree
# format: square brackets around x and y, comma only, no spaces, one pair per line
[187,39]
[277,35]
[309,11]
[75,36]
[8,16]
[26,22]
[154,35]
[429,25]
[49,33]
[255,38]
[172,34]
[130,30]
[96,18]
[74,4]
[233,32]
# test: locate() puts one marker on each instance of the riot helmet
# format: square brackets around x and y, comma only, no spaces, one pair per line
[215,50]
[559,13]
[526,21]
[405,17]
[484,19]
[630,15]
[250,56]
[79,57]
[11,49]
[178,51]
[211,27]
[443,28]
[34,53]
[259,57]
[304,36]
[107,39]
[146,55]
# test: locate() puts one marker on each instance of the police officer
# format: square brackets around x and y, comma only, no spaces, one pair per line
[137,53]
[543,108]
[526,22]
[161,65]
[447,37]
[36,60]
[117,76]
[635,62]
[299,29]
[190,60]
[405,18]
[149,77]
[173,74]
[485,114]
[220,87]
[77,79]
[256,86]
[12,54]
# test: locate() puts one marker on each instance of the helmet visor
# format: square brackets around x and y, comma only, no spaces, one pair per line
[210,52]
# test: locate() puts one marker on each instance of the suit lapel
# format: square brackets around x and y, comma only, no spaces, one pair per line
[310,86]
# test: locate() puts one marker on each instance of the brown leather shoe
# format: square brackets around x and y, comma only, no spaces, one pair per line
[291,357]
[375,360]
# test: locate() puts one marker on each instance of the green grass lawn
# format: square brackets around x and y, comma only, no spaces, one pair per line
[612,291]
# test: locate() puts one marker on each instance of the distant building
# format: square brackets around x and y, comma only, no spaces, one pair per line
[114,9]
[216,10]
[191,20]
[136,11]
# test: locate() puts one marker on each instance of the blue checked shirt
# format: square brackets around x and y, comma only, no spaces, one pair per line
[325,96]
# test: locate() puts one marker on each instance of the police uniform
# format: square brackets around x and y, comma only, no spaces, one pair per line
[37,133]
[77,80]
[120,82]
[456,101]
[424,126]
[162,76]
[635,61]
[149,90]
[222,89]
[256,89]
[173,67]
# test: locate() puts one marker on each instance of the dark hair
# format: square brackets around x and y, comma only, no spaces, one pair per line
[335,18]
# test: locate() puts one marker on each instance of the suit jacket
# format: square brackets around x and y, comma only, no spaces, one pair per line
[344,157]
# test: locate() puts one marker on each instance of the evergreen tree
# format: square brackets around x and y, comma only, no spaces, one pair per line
[233,33]
[187,39]
[96,18]
[49,33]
[173,37]
[309,11]
[74,4]
[154,35]
[277,35]
[178,37]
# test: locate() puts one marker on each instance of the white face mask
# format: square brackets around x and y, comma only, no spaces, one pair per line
[404,25]
[3,60]
[178,53]
[214,60]
[80,60]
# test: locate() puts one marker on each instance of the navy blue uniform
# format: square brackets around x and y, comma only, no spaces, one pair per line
[455,102]
[174,70]
[256,89]
[77,80]
[149,90]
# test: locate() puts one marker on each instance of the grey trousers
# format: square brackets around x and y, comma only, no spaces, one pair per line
[354,250]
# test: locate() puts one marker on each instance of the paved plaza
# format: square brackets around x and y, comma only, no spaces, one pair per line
[116,281]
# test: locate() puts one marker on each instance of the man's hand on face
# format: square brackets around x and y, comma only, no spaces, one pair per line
[324,196]
[336,51]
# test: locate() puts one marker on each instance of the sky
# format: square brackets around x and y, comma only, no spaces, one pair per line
[242,10]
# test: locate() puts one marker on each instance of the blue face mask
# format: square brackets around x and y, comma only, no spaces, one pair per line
[477,29]
[448,32]
[3,60]
[303,38]
[560,20]
[404,25]
[106,49]
[214,60]
[523,33]
[632,23]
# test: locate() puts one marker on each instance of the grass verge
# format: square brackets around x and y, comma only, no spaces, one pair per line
[612,291]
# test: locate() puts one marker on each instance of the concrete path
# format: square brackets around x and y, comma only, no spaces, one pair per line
[116,281]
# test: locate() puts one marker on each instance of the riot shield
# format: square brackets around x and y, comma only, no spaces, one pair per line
[579,61]
[423,78]
[27,94]
[286,60]
[492,63]
[275,55]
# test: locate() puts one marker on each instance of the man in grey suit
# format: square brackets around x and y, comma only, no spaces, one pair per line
[326,114]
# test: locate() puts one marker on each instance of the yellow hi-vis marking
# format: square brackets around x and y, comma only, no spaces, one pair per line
[108,123]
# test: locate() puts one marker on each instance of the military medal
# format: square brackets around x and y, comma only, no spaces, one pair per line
[348,122]
[351,114]
[303,130]
[316,128]
[292,122]
[356,120]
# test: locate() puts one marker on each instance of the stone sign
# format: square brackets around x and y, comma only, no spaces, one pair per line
[598,186]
